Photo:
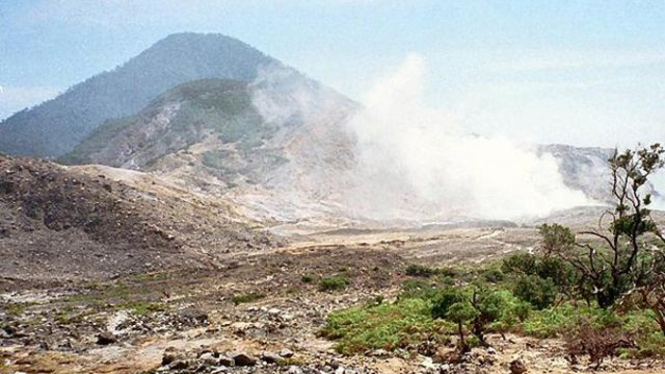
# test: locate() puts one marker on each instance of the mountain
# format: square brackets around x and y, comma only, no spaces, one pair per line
[281,140]
[55,127]
[218,117]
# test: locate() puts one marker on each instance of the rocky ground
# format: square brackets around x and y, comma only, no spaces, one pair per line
[259,313]
[113,271]
[61,224]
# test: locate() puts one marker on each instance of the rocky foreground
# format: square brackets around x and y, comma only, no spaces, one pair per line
[260,313]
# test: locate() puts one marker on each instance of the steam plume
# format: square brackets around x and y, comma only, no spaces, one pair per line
[414,163]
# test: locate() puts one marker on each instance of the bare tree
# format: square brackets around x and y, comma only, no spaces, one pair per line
[619,260]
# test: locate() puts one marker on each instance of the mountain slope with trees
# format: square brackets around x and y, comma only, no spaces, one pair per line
[55,127]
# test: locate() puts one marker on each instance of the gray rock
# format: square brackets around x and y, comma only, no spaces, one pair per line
[179,365]
[271,357]
[286,353]
[517,367]
[209,359]
[106,338]
[380,353]
[294,370]
[194,315]
[221,369]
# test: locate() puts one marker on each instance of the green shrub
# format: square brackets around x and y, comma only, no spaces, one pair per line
[386,326]
[421,271]
[461,313]
[537,291]
[417,289]
[493,275]
[247,298]
[489,306]
[444,300]
[334,283]
[520,263]
[558,321]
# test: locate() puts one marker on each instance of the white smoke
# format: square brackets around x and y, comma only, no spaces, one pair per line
[414,163]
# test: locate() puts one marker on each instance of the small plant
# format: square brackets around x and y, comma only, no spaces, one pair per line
[307,278]
[462,313]
[420,271]
[145,308]
[489,306]
[246,298]
[412,289]
[334,283]
[14,309]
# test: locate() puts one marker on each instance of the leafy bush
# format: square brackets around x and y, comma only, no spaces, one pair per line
[535,290]
[416,270]
[417,289]
[560,320]
[461,313]
[488,305]
[493,275]
[384,326]
[520,263]
[334,283]
[444,300]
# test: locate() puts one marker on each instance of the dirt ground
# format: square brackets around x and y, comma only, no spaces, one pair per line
[190,312]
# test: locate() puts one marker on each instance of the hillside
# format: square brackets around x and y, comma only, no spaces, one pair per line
[55,127]
[60,223]
[277,142]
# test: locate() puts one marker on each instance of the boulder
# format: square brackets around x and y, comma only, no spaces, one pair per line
[106,338]
[243,359]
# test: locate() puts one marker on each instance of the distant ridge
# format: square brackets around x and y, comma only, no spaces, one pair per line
[55,127]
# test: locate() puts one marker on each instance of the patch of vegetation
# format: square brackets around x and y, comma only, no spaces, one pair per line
[247,298]
[603,295]
[421,271]
[537,291]
[14,309]
[417,289]
[291,361]
[416,270]
[384,326]
[308,278]
[334,283]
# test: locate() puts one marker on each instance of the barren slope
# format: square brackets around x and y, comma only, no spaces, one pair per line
[60,223]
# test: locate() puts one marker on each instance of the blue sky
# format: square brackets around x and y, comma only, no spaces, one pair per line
[577,72]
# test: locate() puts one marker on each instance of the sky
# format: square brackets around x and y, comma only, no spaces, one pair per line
[587,73]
